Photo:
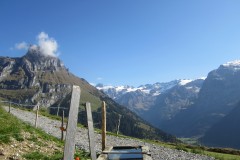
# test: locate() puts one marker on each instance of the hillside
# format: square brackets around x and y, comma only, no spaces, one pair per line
[226,132]
[42,80]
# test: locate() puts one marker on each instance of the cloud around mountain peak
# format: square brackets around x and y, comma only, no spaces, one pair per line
[47,46]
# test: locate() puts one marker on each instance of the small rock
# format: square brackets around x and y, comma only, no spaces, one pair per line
[1,153]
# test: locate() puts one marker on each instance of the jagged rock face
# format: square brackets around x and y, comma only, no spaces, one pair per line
[37,61]
[35,76]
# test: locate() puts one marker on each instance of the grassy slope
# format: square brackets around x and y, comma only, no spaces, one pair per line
[28,142]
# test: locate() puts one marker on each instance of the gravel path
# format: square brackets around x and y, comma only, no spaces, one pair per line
[52,127]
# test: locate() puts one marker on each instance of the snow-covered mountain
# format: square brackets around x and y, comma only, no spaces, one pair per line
[115,92]
[142,98]
[173,101]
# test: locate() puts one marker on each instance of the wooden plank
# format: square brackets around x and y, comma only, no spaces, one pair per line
[104,125]
[69,147]
[91,132]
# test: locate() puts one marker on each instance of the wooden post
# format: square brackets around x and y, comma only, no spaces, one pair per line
[69,147]
[90,132]
[62,130]
[104,122]
[36,120]
[119,121]
[9,107]
[57,110]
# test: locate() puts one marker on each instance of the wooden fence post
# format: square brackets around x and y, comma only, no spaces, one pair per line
[57,110]
[62,126]
[69,147]
[119,121]
[36,120]
[90,132]
[9,107]
[104,125]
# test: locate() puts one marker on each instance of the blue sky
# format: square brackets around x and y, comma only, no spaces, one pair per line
[130,42]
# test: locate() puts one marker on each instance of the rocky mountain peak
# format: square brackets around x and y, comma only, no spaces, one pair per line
[39,61]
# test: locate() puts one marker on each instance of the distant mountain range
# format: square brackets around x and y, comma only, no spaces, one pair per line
[145,98]
[206,108]
[38,79]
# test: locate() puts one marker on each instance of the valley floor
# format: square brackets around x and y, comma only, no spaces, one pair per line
[158,152]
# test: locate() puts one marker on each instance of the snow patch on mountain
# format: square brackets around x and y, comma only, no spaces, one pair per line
[185,81]
[148,89]
[233,65]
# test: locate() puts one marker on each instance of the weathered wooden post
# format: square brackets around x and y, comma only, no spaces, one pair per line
[69,147]
[9,107]
[57,110]
[104,125]
[36,119]
[119,121]
[91,132]
[62,126]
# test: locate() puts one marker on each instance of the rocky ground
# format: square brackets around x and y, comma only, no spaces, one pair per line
[158,153]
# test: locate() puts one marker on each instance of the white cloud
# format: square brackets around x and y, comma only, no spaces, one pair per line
[47,45]
[22,45]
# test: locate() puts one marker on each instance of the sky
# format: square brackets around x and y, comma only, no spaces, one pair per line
[125,42]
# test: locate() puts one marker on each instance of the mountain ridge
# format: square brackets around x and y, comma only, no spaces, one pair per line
[217,98]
